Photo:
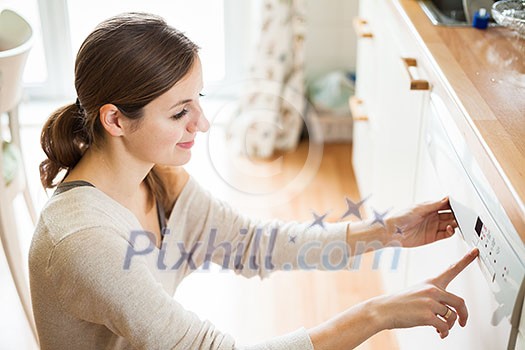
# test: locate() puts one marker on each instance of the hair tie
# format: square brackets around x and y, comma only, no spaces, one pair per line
[79,106]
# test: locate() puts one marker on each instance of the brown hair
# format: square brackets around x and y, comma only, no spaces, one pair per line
[128,60]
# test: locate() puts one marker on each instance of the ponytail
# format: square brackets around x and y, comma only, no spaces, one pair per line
[64,140]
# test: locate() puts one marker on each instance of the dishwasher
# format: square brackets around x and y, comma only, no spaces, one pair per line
[497,287]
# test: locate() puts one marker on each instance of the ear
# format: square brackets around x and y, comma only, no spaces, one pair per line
[111,119]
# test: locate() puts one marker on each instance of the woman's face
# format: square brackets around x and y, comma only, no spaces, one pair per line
[170,123]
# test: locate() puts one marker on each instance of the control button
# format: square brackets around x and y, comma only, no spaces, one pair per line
[487,269]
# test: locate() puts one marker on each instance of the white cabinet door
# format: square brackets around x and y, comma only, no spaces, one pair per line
[385,144]
[365,99]
[403,95]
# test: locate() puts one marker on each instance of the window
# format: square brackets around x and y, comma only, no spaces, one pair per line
[201,20]
[223,29]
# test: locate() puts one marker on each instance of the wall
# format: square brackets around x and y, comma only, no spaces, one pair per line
[330,38]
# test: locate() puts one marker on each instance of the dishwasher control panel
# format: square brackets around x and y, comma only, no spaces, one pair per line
[499,262]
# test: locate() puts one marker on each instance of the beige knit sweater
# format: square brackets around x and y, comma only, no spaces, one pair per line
[97,282]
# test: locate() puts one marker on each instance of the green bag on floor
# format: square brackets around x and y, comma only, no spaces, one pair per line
[331,92]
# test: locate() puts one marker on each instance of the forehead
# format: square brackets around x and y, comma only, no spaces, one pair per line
[184,89]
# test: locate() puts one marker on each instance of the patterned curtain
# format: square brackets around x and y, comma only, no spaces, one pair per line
[269,117]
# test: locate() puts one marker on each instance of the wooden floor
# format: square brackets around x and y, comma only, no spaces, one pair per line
[258,310]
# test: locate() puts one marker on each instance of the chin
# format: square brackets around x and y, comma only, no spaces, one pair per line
[181,160]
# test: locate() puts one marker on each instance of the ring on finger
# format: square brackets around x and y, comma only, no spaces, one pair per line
[447,314]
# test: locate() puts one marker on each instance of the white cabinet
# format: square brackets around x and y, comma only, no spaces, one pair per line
[364,103]
[395,163]
[392,94]
[393,97]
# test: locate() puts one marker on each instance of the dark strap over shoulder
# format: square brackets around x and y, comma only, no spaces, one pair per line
[66,186]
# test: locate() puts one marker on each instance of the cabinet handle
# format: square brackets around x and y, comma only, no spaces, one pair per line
[360,25]
[356,108]
[415,84]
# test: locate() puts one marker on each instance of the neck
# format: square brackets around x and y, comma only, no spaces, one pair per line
[120,177]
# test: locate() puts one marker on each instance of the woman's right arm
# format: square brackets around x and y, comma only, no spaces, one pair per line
[424,305]
[95,281]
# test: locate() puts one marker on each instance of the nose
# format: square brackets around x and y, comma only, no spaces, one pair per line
[199,122]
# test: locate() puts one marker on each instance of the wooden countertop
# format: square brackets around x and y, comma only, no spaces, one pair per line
[484,71]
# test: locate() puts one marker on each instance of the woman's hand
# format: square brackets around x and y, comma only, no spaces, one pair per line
[425,223]
[428,304]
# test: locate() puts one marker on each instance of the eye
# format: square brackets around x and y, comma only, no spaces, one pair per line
[201,95]
[180,114]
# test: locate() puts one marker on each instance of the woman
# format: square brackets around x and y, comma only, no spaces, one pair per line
[99,281]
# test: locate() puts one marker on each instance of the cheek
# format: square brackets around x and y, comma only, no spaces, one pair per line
[171,135]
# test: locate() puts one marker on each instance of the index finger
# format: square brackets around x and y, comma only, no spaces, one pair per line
[433,207]
[449,274]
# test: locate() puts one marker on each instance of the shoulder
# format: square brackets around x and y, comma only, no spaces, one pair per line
[81,209]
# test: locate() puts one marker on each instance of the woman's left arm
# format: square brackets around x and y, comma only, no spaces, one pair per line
[250,247]
[422,224]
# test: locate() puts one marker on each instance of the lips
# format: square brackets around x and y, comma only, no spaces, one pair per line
[186,145]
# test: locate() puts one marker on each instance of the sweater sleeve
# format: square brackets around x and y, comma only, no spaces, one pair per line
[88,271]
[256,247]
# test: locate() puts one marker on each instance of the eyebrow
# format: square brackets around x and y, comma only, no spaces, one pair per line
[180,103]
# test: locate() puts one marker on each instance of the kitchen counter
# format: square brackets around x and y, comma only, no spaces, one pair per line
[484,73]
